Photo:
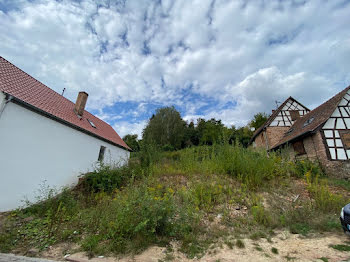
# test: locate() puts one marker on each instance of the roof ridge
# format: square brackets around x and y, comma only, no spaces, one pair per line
[272,116]
[299,124]
[31,92]
[50,89]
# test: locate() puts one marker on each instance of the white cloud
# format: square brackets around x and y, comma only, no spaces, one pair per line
[174,52]
[124,127]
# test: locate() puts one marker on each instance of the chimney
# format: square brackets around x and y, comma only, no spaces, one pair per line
[80,103]
[273,111]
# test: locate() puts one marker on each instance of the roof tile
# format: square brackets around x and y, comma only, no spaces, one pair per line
[320,115]
[21,85]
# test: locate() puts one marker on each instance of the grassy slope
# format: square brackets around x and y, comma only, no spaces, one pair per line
[197,196]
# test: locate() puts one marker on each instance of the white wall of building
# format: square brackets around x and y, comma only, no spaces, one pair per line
[35,149]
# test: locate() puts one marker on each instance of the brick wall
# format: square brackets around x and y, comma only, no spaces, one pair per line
[275,133]
[316,150]
[260,141]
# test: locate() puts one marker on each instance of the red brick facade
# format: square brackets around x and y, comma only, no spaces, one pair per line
[316,150]
[273,134]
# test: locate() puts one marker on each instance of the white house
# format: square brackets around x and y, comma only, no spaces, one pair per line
[46,138]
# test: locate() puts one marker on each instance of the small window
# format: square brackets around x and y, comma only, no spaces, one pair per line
[102,153]
[345,137]
[290,131]
[308,122]
[294,114]
[91,123]
[299,147]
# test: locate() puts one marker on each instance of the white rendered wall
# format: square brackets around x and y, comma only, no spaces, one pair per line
[35,149]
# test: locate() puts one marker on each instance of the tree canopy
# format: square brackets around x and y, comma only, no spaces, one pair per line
[166,129]
[132,142]
[169,131]
[258,120]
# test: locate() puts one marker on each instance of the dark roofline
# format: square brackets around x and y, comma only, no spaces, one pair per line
[48,115]
[310,115]
[273,115]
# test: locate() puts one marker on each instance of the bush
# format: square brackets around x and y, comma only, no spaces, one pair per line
[149,154]
[138,218]
[107,179]
[325,200]
[302,167]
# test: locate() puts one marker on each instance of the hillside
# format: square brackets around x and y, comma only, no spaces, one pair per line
[192,203]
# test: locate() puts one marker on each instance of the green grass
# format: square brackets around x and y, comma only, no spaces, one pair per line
[345,184]
[342,248]
[274,250]
[288,258]
[324,259]
[240,243]
[187,196]
[259,248]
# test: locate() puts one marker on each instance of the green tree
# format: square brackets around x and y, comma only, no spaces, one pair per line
[191,135]
[166,129]
[211,131]
[241,135]
[132,142]
[258,120]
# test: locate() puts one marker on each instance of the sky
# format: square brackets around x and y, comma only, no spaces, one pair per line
[209,58]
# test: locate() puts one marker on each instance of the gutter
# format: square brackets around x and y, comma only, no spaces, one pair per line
[8,99]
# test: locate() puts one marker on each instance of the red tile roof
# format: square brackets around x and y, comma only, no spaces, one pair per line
[29,91]
[319,116]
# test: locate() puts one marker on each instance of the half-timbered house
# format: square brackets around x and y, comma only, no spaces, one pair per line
[281,119]
[323,134]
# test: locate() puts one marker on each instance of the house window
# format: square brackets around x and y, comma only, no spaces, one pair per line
[91,123]
[299,147]
[345,137]
[294,114]
[102,153]
[308,122]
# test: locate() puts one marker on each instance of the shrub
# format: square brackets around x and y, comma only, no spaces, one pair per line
[207,195]
[139,217]
[302,167]
[261,216]
[107,179]
[240,243]
[325,200]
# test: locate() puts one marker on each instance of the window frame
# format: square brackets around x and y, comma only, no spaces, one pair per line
[101,154]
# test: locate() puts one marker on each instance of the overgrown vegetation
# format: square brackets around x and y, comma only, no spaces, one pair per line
[197,196]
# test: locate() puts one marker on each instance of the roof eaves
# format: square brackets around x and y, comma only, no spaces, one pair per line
[270,119]
[42,112]
[292,139]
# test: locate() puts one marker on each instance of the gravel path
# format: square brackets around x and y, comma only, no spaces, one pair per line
[13,258]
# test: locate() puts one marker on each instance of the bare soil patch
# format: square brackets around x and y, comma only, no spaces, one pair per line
[289,247]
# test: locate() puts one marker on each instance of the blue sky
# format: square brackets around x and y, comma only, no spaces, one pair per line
[208,58]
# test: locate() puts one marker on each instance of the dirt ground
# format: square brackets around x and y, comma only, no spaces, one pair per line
[290,247]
